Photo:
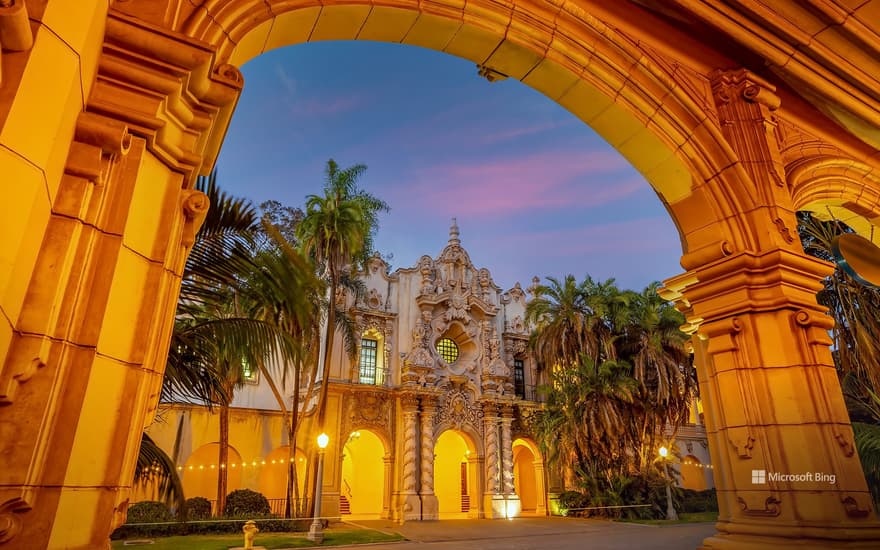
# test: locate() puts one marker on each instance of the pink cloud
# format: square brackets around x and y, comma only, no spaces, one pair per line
[540,180]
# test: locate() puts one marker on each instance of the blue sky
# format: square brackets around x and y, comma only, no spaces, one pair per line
[535,191]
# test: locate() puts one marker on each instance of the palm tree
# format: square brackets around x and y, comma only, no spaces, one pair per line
[662,366]
[583,427]
[565,323]
[618,359]
[213,338]
[337,232]
[289,295]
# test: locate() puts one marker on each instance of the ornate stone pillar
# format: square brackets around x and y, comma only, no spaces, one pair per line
[512,504]
[430,504]
[507,451]
[493,500]
[781,441]
[410,506]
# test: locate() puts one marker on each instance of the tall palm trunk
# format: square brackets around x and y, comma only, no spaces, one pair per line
[222,471]
[329,338]
[223,458]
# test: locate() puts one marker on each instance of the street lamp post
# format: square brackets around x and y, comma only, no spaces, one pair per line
[671,514]
[316,530]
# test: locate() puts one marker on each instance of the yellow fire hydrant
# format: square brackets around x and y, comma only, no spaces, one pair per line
[250,531]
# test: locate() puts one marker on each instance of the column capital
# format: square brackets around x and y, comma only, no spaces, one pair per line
[428,402]
[409,402]
[748,282]
[490,410]
[729,86]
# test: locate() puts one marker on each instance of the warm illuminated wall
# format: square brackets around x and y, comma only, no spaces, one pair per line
[273,475]
[692,475]
[199,474]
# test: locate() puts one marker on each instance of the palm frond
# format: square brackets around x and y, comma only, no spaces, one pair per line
[155,469]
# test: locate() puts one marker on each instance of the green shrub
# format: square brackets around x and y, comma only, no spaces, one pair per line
[569,501]
[699,501]
[198,508]
[244,502]
[148,512]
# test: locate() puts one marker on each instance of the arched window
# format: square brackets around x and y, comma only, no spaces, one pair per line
[369,354]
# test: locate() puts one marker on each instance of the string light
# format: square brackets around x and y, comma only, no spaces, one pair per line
[254,463]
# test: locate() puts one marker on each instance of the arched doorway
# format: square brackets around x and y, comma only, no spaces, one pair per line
[362,488]
[199,474]
[529,477]
[693,475]
[707,138]
[454,475]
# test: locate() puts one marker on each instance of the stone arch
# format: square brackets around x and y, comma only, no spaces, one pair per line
[656,113]
[840,187]
[471,434]
[529,476]
[104,158]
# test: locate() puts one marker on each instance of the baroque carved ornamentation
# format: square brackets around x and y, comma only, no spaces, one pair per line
[525,421]
[368,409]
[458,410]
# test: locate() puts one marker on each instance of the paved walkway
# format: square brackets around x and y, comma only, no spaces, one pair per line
[540,534]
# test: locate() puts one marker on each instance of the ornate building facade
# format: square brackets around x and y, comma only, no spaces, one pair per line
[432,418]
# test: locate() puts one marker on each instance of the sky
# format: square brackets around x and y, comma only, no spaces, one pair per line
[534,190]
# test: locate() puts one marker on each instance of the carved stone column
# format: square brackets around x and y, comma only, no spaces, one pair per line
[512,504]
[410,507]
[430,504]
[493,504]
[507,451]
[772,403]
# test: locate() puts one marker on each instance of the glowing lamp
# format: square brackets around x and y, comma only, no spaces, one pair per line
[323,440]
[663,452]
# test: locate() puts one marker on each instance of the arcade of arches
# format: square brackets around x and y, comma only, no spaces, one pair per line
[738,114]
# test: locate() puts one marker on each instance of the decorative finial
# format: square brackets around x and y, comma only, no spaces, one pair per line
[453,233]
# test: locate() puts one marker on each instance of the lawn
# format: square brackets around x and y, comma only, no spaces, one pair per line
[684,517]
[332,537]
